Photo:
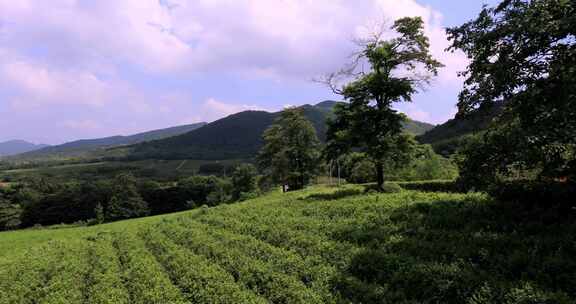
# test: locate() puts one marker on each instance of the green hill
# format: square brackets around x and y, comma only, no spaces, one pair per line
[321,245]
[237,136]
[447,137]
[92,147]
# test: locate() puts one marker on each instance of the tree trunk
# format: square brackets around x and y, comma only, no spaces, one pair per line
[380,175]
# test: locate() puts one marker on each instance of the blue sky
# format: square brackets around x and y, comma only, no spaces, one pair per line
[72,69]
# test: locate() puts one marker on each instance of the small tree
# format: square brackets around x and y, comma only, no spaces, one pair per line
[201,190]
[244,180]
[9,215]
[126,201]
[291,151]
[397,67]
[99,214]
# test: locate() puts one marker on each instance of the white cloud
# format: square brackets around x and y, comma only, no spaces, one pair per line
[222,108]
[40,84]
[416,113]
[81,124]
[213,109]
[98,55]
[298,38]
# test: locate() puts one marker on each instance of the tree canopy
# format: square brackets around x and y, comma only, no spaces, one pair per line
[398,67]
[291,151]
[523,57]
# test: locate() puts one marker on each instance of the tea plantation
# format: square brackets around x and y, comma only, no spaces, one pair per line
[321,245]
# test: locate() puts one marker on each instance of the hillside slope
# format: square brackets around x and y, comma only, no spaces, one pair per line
[446,138]
[321,245]
[84,146]
[13,147]
[238,135]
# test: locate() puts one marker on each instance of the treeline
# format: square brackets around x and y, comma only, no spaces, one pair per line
[424,164]
[39,201]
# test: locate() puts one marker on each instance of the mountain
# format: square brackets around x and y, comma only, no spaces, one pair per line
[91,146]
[417,127]
[237,136]
[13,147]
[447,137]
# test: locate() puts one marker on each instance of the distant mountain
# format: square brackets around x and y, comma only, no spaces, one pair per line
[411,126]
[91,146]
[447,137]
[13,147]
[237,136]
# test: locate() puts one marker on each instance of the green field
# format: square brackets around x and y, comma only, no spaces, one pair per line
[321,245]
[157,169]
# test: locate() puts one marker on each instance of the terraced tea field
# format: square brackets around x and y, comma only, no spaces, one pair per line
[321,245]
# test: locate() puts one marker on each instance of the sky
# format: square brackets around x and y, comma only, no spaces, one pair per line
[72,69]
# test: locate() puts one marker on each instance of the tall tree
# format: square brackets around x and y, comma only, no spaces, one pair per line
[291,150]
[398,67]
[244,180]
[523,56]
[9,215]
[126,201]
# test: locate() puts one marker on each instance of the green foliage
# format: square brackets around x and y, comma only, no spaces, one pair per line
[447,138]
[368,120]
[100,147]
[99,214]
[126,201]
[244,196]
[363,172]
[215,168]
[432,186]
[244,181]
[9,215]
[424,164]
[538,193]
[320,245]
[236,136]
[523,56]
[391,188]
[205,190]
[290,154]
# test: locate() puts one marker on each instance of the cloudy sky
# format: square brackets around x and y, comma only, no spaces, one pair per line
[73,69]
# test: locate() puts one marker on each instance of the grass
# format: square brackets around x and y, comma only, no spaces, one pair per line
[320,245]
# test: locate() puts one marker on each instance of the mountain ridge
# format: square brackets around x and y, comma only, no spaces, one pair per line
[446,138]
[238,135]
[81,146]
[17,146]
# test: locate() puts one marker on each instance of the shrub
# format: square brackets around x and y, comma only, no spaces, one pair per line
[535,192]
[391,188]
[121,207]
[244,180]
[431,186]
[363,172]
[244,196]
[386,188]
[209,190]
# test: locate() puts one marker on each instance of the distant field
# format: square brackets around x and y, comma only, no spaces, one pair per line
[321,245]
[159,169]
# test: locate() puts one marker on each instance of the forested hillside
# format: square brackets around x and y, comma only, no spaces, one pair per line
[239,135]
[84,147]
[447,137]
